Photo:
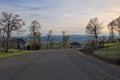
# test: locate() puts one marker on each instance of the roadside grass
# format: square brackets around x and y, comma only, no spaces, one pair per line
[79,52]
[13,52]
[112,52]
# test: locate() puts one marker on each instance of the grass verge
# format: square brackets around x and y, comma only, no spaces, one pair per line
[112,52]
[13,52]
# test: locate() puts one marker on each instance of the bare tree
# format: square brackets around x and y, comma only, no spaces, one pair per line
[39,41]
[114,25]
[0,32]
[35,30]
[118,22]
[111,27]
[0,38]
[94,28]
[52,43]
[118,30]
[65,40]
[49,38]
[117,25]
[9,23]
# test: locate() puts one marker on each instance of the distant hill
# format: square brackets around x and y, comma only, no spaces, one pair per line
[58,38]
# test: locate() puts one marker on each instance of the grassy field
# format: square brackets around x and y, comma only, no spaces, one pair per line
[112,52]
[14,52]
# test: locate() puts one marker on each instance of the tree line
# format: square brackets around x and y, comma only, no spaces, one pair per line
[10,23]
[94,28]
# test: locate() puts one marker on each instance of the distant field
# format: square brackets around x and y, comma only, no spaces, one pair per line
[112,52]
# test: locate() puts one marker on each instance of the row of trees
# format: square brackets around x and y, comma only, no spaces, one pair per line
[94,28]
[114,25]
[10,23]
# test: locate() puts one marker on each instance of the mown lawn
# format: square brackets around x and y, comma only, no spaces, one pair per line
[112,52]
[13,52]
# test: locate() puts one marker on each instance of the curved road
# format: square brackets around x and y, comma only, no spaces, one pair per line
[61,64]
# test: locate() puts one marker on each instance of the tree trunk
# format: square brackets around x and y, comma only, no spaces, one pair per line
[96,35]
[34,38]
[112,34]
[7,43]
[34,44]
[96,38]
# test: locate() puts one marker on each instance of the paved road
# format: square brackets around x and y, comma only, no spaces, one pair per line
[61,64]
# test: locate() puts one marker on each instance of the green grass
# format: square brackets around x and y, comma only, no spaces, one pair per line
[112,52]
[13,52]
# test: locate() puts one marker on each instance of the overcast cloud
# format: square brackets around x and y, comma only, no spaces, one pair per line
[58,15]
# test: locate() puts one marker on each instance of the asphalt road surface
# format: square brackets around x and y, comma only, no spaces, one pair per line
[61,64]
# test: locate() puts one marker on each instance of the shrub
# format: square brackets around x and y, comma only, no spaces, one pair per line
[29,47]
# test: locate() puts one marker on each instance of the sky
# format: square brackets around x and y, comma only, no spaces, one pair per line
[71,16]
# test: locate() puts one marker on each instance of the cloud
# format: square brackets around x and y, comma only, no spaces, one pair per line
[69,15]
[37,8]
